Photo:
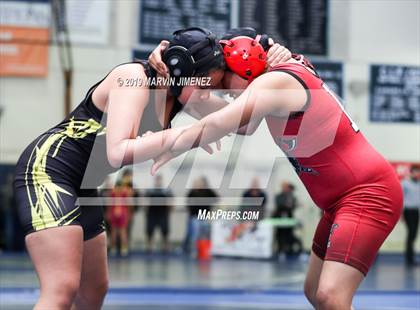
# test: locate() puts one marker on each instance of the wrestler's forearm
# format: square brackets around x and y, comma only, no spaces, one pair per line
[217,125]
[202,108]
[200,134]
[145,148]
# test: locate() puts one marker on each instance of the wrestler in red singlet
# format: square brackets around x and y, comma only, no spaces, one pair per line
[119,211]
[345,176]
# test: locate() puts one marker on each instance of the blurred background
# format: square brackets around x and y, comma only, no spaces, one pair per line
[367,51]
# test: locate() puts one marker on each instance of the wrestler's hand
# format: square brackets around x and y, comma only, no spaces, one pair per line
[176,132]
[207,148]
[277,53]
[147,133]
[179,146]
[155,58]
[161,160]
[219,145]
[167,156]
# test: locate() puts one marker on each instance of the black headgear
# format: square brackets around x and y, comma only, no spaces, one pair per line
[191,51]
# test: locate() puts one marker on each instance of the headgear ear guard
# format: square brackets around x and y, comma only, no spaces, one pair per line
[181,61]
[245,56]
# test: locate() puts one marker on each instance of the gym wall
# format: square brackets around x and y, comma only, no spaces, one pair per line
[360,33]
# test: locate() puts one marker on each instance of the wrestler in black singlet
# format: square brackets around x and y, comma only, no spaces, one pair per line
[50,171]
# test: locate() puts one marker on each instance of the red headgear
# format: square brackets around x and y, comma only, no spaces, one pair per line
[244,56]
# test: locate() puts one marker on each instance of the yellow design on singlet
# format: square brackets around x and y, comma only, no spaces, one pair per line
[45,206]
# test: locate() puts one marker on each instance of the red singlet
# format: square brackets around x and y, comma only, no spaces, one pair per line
[345,176]
[119,211]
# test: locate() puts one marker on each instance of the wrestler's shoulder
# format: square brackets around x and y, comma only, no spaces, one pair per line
[275,79]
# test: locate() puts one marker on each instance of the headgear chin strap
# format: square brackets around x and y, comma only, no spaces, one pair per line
[245,56]
[181,61]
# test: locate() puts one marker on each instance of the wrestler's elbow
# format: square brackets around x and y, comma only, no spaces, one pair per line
[116,154]
[246,130]
[114,159]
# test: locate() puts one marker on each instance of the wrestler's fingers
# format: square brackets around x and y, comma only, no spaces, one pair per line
[219,145]
[208,149]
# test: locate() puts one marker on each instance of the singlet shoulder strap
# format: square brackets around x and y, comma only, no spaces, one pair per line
[303,61]
[301,81]
[150,72]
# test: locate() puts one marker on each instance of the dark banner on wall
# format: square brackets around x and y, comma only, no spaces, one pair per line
[11,233]
[332,74]
[160,18]
[140,54]
[301,25]
[394,94]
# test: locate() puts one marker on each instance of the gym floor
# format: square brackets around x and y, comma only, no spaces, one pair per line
[153,282]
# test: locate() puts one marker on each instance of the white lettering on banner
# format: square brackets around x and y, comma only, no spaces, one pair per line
[25,14]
